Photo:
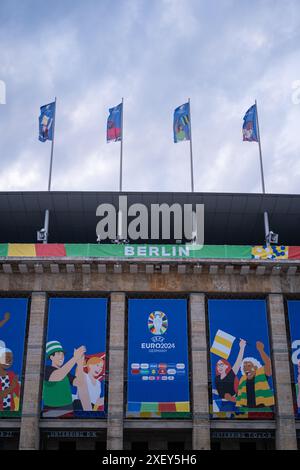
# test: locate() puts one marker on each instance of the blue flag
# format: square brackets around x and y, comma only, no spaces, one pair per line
[250,125]
[114,124]
[46,122]
[181,124]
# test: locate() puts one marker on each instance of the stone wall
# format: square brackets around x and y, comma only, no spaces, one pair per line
[39,283]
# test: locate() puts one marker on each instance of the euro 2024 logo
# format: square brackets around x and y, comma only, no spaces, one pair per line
[157,324]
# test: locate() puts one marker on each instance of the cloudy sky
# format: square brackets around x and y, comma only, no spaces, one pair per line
[222,54]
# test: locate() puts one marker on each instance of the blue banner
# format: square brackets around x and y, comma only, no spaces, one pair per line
[74,377]
[114,124]
[158,375]
[250,125]
[181,123]
[13,316]
[294,321]
[46,122]
[241,370]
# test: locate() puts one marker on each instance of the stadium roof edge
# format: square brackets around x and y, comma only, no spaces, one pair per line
[230,218]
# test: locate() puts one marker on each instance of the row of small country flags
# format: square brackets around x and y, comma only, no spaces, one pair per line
[114,131]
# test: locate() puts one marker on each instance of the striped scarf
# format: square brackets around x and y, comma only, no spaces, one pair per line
[264,396]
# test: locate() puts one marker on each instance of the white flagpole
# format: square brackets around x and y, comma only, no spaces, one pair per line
[191,149]
[52,147]
[260,153]
[46,221]
[121,148]
[266,216]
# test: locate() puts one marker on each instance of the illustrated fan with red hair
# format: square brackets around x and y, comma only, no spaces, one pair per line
[98,358]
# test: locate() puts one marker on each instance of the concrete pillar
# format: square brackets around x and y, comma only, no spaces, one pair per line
[201,424]
[116,372]
[285,420]
[29,434]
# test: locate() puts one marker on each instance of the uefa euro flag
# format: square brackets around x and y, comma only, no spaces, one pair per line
[114,124]
[46,122]
[181,123]
[250,125]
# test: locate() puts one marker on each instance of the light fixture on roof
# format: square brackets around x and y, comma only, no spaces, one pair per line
[272,238]
[42,234]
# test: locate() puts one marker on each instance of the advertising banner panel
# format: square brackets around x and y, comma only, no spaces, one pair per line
[74,376]
[158,372]
[13,316]
[294,321]
[241,370]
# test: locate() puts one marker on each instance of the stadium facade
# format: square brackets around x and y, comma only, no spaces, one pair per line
[102,347]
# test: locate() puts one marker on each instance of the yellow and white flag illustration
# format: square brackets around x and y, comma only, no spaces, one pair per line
[222,344]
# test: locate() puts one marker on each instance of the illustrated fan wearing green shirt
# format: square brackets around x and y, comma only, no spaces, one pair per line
[57,393]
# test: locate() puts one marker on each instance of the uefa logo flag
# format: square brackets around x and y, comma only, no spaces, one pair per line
[250,125]
[181,124]
[114,124]
[222,344]
[46,122]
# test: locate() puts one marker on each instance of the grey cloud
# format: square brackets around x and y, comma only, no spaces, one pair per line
[222,55]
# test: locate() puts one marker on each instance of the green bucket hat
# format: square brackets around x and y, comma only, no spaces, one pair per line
[53,347]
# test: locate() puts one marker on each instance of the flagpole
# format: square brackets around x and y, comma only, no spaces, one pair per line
[260,153]
[46,221]
[52,147]
[266,216]
[191,149]
[121,148]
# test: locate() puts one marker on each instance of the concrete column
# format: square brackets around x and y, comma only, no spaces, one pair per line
[116,372]
[201,424]
[29,435]
[285,420]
